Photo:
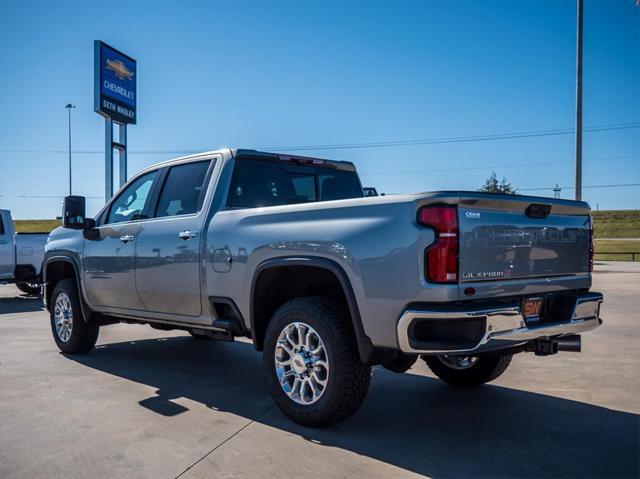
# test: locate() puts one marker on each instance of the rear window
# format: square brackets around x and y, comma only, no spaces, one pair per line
[258,183]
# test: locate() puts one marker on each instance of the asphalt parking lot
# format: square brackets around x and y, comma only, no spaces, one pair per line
[157,404]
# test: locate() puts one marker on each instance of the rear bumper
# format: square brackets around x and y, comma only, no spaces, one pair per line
[471,330]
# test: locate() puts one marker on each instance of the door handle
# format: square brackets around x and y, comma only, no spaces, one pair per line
[187,235]
[126,238]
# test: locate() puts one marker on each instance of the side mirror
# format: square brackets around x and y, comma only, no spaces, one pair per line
[73,212]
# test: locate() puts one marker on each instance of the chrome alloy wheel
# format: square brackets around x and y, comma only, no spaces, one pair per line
[458,362]
[302,363]
[63,317]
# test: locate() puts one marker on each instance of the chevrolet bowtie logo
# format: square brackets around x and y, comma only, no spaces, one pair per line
[119,69]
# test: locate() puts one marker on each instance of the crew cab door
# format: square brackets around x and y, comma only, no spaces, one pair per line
[168,245]
[7,249]
[108,262]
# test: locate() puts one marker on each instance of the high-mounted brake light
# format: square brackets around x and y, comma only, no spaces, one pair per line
[302,160]
[441,257]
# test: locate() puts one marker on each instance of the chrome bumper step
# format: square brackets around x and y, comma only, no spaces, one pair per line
[499,327]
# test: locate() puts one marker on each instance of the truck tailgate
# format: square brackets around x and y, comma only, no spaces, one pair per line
[508,238]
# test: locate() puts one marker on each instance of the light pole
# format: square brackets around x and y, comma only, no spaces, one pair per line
[69,106]
[579,104]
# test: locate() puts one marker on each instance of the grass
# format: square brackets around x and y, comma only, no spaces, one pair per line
[619,247]
[617,224]
[35,226]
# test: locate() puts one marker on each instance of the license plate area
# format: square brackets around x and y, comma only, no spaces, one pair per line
[532,309]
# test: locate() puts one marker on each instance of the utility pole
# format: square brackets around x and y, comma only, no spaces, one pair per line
[69,106]
[579,104]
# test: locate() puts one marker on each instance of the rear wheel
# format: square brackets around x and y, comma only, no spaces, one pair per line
[32,289]
[468,370]
[399,362]
[311,361]
[70,331]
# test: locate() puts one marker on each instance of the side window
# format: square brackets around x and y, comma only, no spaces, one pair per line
[339,185]
[255,183]
[1,226]
[183,190]
[130,204]
[258,183]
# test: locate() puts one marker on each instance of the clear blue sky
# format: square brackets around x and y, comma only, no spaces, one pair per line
[279,74]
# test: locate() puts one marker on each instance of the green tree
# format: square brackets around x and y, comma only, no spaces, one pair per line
[492,185]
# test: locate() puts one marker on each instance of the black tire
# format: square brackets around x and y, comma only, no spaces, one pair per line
[348,379]
[83,335]
[487,368]
[399,362]
[32,289]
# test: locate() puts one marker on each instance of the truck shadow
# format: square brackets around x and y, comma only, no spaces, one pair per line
[410,421]
[22,303]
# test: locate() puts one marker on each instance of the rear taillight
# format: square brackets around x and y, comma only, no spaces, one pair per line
[441,257]
[591,244]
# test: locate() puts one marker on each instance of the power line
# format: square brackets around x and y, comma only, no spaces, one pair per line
[519,189]
[381,144]
[572,187]
[47,196]
[461,139]
[438,170]
[512,165]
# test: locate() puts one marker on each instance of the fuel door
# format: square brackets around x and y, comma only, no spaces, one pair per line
[222,260]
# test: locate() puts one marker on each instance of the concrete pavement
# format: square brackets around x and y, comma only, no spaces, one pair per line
[147,403]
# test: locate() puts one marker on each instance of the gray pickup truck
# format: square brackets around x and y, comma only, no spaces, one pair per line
[287,251]
[20,256]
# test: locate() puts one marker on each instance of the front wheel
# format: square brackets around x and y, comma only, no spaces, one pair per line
[311,361]
[71,332]
[468,370]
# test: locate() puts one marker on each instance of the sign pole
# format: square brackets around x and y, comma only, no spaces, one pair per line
[115,98]
[108,159]
[122,153]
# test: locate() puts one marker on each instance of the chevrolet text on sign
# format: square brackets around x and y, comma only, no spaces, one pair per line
[115,84]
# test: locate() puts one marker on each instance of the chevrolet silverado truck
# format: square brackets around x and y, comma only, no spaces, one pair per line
[21,256]
[287,251]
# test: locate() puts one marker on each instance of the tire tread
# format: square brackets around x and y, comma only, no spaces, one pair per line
[357,375]
[488,368]
[84,335]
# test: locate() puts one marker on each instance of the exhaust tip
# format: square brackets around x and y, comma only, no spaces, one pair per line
[572,343]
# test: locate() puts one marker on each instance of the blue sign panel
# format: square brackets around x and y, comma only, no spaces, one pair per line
[115,84]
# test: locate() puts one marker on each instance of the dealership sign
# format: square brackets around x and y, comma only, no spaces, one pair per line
[114,84]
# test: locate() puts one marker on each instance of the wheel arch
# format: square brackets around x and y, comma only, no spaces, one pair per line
[325,268]
[57,267]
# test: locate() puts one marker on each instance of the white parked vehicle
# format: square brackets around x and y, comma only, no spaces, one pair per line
[21,256]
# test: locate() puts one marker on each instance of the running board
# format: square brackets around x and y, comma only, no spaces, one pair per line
[229,325]
[225,330]
[222,328]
